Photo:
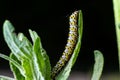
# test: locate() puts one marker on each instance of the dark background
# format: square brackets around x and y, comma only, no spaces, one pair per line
[50,19]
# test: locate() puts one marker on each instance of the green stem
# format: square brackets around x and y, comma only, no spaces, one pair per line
[116,5]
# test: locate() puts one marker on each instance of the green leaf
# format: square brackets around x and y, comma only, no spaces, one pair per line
[38,60]
[98,66]
[25,45]
[16,71]
[29,69]
[116,9]
[22,50]
[64,74]
[33,35]
[41,58]
[12,40]
[5,78]
[28,63]
[48,67]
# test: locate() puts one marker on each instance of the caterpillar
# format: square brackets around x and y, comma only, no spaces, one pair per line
[69,48]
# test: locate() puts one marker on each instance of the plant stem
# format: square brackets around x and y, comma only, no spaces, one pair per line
[116,5]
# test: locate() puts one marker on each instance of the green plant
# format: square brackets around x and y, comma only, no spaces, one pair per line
[28,60]
[116,8]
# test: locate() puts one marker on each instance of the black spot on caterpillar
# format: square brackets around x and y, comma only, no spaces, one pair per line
[69,48]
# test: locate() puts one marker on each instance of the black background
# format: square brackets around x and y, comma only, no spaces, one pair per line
[50,19]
